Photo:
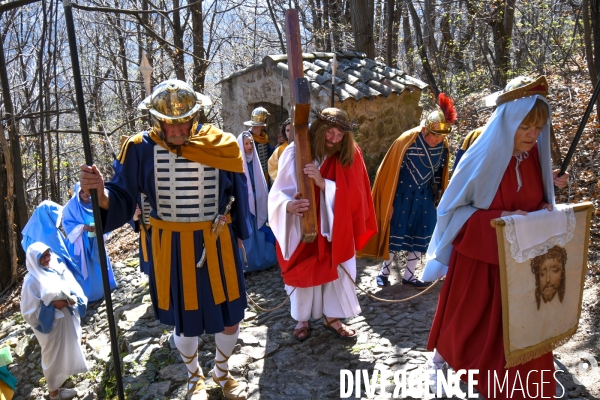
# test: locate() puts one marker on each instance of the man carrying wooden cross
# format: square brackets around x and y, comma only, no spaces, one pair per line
[322,272]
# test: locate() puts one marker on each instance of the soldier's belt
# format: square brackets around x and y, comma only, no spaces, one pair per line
[162,233]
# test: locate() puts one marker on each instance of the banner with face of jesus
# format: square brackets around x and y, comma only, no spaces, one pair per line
[543,262]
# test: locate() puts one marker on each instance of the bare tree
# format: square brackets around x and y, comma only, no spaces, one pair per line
[362,25]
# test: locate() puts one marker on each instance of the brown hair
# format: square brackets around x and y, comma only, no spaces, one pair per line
[556,253]
[538,115]
[285,124]
[334,118]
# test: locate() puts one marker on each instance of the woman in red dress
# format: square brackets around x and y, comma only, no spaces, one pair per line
[467,328]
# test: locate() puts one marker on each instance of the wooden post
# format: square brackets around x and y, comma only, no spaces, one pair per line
[300,102]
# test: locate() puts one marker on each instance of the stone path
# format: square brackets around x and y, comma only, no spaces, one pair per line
[392,337]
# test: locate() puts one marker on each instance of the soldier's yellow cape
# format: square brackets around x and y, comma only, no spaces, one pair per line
[209,146]
[384,190]
[471,138]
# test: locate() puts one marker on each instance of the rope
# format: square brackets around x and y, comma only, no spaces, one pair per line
[358,287]
[386,300]
[270,309]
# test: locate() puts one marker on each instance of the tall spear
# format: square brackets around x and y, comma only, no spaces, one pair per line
[333,72]
[577,137]
[146,71]
[281,99]
[87,148]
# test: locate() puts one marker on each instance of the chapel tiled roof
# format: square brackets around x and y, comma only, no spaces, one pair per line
[357,76]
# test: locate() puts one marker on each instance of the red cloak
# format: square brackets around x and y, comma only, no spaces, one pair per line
[316,263]
[467,328]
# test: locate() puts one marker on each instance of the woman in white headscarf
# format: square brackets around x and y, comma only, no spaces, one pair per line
[260,246]
[52,302]
[506,171]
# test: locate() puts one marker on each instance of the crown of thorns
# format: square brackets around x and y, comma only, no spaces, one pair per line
[343,125]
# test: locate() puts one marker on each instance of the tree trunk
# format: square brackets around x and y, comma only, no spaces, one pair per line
[429,77]
[15,146]
[178,61]
[316,13]
[591,27]
[335,15]
[326,26]
[362,26]
[595,20]
[378,26]
[125,72]
[502,26]
[407,38]
[8,254]
[390,54]
[276,25]
[200,64]
[42,137]
[431,44]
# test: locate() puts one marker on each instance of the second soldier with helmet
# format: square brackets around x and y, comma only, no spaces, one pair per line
[408,185]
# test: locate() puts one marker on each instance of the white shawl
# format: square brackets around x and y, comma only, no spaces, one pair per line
[477,177]
[258,206]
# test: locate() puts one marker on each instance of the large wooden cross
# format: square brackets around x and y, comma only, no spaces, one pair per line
[300,102]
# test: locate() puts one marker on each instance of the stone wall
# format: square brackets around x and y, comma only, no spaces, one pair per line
[256,88]
[381,120]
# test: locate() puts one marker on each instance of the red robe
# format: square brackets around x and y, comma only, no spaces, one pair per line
[467,328]
[316,263]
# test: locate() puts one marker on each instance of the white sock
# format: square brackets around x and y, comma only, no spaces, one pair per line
[413,259]
[225,344]
[188,349]
[386,265]
[437,357]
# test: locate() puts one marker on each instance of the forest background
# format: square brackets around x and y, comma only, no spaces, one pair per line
[465,48]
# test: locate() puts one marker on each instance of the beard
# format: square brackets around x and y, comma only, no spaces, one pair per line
[548,292]
[333,149]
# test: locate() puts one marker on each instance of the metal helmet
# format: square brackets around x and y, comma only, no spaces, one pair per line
[436,123]
[174,102]
[439,121]
[258,117]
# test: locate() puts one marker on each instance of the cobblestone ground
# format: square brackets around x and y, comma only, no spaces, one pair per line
[392,337]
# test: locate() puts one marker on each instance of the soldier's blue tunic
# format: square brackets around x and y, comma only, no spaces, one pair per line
[414,216]
[136,175]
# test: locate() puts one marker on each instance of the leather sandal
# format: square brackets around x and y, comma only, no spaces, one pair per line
[328,324]
[196,379]
[232,389]
[303,332]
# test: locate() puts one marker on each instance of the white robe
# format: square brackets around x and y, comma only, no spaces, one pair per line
[335,299]
[62,354]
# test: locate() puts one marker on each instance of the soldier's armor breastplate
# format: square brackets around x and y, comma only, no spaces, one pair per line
[146,208]
[263,155]
[186,191]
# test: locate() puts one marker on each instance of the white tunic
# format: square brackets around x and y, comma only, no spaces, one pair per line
[335,299]
[62,354]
